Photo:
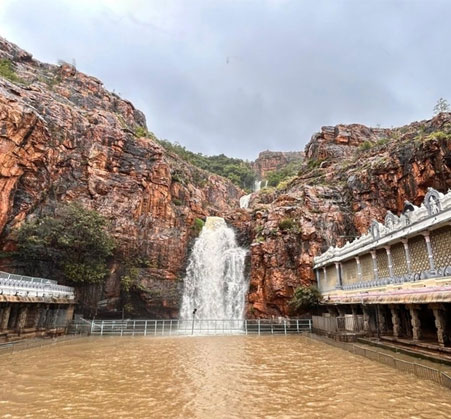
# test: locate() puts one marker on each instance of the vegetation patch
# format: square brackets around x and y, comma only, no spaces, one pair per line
[8,72]
[289,224]
[198,226]
[74,242]
[236,170]
[287,172]
[305,298]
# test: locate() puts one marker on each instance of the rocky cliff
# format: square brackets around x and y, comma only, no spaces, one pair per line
[269,161]
[65,138]
[352,174]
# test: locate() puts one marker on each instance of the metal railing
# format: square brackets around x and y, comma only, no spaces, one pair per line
[27,286]
[190,327]
[421,371]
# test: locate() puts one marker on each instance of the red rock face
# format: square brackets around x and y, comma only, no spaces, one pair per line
[352,174]
[269,161]
[63,137]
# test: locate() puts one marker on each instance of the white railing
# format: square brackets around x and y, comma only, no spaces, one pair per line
[192,327]
[27,286]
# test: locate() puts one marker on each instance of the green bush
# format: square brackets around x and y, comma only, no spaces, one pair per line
[383,141]
[305,298]
[177,201]
[365,146]
[289,171]
[141,132]
[236,170]
[74,241]
[198,226]
[288,224]
[8,72]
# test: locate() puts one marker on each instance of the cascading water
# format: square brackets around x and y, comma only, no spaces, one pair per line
[244,201]
[215,285]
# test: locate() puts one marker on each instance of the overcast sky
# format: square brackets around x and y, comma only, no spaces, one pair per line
[239,77]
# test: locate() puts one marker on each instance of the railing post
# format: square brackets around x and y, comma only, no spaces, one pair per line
[245,325]
[162,329]
[92,326]
[134,324]
[272,329]
[297,325]
[101,329]
[122,327]
[155,334]
[310,325]
[145,328]
[170,328]
[258,326]
[285,326]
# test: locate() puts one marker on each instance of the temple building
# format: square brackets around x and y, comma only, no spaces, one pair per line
[33,307]
[394,281]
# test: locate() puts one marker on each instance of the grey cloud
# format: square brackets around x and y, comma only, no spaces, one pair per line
[238,77]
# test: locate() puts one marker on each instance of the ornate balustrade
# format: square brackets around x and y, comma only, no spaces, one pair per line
[412,247]
[25,286]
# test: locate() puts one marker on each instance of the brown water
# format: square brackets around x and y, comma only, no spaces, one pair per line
[210,377]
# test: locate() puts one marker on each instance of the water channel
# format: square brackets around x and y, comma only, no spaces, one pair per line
[210,377]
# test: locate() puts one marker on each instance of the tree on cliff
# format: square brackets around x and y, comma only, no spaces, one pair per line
[73,242]
[442,105]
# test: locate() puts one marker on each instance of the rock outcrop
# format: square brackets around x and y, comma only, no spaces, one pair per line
[65,138]
[352,174]
[269,161]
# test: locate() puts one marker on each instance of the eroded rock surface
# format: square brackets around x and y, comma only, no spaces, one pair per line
[65,138]
[352,174]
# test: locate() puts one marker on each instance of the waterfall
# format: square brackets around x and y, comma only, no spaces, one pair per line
[257,185]
[215,284]
[244,201]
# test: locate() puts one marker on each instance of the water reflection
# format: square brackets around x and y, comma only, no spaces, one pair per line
[210,377]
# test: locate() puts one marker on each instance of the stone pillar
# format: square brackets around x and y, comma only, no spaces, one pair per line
[395,320]
[317,278]
[416,323]
[381,319]
[22,317]
[366,318]
[359,269]
[56,316]
[354,317]
[5,317]
[339,283]
[70,313]
[440,323]
[407,253]
[36,315]
[13,316]
[427,239]
[390,262]
[375,270]
[43,317]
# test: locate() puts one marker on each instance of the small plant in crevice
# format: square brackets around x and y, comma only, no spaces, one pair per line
[305,298]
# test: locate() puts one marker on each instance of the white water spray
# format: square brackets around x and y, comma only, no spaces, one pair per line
[244,201]
[215,285]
